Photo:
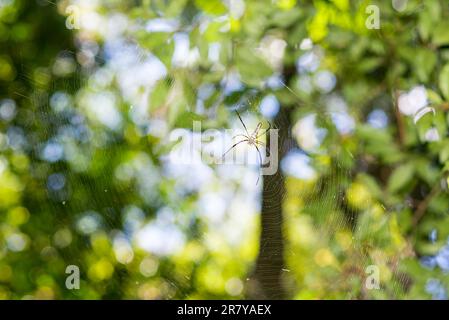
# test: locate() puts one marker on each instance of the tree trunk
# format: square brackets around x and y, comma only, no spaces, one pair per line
[266,281]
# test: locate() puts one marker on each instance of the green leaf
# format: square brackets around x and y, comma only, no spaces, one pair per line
[160,44]
[444,152]
[425,63]
[369,64]
[252,68]
[215,7]
[434,97]
[186,119]
[444,81]
[426,171]
[425,25]
[165,148]
[285,18]
[160,92]
[400,177]
[379,143]
[441,34]
[428,18]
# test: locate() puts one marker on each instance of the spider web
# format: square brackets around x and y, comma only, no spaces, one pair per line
[163,209]
[320,210]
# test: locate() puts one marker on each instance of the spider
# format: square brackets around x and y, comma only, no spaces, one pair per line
[251,139]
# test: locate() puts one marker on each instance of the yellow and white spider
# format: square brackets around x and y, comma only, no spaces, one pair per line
[252,139]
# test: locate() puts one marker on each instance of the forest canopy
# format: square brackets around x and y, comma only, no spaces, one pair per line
[102,105]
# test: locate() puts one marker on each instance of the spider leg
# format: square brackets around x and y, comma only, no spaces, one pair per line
[235,144]
[256,131]
[240,135]
[260,155]
[242,122]
[269,128]
[260,163]
[263,145]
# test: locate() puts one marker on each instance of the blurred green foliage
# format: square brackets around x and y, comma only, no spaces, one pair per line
[74,180]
